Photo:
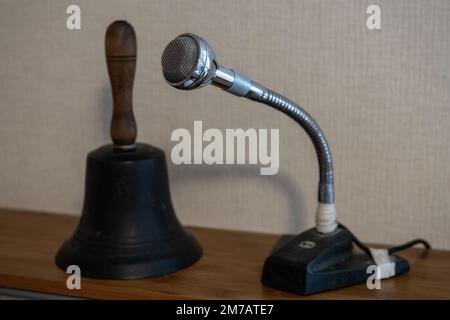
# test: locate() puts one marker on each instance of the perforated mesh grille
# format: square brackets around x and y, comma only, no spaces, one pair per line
[179,59]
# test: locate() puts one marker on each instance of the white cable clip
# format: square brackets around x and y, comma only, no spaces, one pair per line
[385,264]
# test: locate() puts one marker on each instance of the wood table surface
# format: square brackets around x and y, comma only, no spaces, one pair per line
[229,269]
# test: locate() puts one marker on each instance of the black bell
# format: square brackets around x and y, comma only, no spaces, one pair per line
[128,228]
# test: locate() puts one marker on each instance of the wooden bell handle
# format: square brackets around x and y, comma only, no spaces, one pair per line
[121,49]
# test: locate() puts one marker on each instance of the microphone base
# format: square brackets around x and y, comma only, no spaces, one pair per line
[312,262]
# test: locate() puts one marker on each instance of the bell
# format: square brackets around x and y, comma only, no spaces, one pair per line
[128,228]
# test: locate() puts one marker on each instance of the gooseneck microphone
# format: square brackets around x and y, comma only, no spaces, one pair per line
[318,259]
[188,62]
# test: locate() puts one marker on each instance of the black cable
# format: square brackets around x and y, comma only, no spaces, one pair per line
[408,245]
[392,250]
[361,245]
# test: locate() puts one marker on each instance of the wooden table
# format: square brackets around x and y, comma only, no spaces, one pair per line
[229,269]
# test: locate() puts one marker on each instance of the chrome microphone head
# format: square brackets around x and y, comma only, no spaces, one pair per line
[188,62]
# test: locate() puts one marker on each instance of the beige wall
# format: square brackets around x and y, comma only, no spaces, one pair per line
[382,97]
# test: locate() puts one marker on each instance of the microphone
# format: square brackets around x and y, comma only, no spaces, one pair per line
[188,62]
[318,259]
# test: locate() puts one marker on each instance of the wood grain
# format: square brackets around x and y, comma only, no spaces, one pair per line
[230,268]
[121,51]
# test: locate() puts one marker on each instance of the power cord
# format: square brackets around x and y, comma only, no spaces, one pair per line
[390,251]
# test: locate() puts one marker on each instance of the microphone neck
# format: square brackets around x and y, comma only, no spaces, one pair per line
[231,81]
[239,85]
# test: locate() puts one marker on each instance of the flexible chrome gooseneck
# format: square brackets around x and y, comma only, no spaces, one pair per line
[188,62]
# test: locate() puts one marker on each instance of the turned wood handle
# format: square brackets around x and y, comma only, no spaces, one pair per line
[120,49]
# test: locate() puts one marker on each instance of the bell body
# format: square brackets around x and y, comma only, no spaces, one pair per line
[128,228]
